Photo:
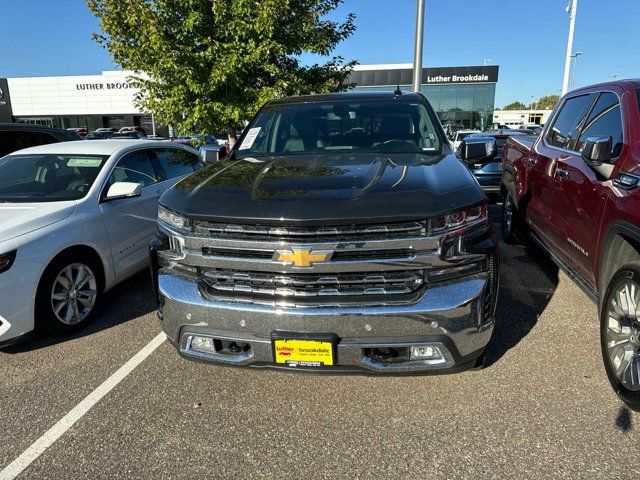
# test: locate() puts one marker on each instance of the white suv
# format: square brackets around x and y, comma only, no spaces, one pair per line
[75,219]
[461,135]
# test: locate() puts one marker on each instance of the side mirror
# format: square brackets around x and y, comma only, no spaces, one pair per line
[473,149]
[597,150]
[210,154]
[123,190]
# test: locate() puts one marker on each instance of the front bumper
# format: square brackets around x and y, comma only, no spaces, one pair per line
[17,299]
[451,316]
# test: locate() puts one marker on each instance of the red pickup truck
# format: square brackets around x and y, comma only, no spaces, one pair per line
[575,190]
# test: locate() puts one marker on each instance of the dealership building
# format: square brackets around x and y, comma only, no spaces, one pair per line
[460,95]
[93,101]
[518,118]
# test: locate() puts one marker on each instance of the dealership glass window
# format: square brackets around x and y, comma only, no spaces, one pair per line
[470,105]
[46,121]
[134,167]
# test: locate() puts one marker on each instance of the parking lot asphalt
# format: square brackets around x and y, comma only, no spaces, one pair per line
[541,406]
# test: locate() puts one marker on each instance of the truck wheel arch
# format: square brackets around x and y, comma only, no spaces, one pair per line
[508,184]
[621,246]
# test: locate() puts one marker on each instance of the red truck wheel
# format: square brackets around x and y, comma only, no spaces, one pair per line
[510,220]
[620,333]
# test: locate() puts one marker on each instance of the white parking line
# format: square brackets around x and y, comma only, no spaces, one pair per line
[25,459]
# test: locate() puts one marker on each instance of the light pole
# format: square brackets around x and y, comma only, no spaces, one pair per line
[417,55]
[531,111]
[572,10]
[575,67]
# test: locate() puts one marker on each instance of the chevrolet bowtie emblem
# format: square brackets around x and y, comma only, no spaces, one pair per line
[301,257]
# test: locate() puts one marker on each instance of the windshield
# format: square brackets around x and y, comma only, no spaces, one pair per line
[342,126]
[47,177]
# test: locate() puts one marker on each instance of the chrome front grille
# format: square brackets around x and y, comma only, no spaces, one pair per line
[338,256]
[363,264]
[284,286]
[310,234]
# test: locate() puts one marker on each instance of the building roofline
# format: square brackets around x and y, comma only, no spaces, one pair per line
[409,66]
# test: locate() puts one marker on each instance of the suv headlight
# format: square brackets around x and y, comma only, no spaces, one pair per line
[6,261]
[458,221]
[174,220]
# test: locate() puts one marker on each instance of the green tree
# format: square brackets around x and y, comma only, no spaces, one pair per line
[208,65]
[515,106]
[547,102]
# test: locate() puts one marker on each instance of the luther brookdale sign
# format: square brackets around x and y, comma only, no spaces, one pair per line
[103,86]
[457,78]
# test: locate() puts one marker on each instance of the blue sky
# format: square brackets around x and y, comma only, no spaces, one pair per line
[527,38]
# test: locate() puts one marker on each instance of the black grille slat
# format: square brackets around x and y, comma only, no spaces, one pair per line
[310,234]
[237,253]
[338,256]
[313,285]
[352,255]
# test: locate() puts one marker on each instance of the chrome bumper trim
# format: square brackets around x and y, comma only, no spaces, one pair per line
[450,314]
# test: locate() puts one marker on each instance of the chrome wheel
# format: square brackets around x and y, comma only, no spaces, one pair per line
[74,293]
[622,334]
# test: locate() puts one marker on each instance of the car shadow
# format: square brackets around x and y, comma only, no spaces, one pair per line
[125,302]
[623,420]
[528,279]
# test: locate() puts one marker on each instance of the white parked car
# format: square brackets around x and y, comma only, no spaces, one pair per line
[459,136]
[76,218]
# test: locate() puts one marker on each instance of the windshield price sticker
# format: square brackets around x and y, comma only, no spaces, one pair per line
[84,162]
[250,138]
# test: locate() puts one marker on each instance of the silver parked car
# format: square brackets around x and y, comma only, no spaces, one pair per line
[75,219]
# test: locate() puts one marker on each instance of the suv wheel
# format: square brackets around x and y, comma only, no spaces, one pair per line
[620,334]
[509,219]
[68,294]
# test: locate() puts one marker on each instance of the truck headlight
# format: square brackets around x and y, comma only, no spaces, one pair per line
[173,219]
[456,222]
[6,261]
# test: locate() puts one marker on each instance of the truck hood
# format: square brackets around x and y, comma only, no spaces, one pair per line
[18,219]
[325,189]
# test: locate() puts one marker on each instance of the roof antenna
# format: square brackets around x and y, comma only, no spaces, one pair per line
[398,92]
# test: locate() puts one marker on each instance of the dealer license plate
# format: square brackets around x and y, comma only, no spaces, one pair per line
[303,352]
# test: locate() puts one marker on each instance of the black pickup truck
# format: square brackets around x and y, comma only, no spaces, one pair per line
[341,234]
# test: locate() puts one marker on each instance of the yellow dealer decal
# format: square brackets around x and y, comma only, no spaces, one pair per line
[308,353]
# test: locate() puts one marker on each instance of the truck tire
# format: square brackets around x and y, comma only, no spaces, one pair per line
[620,333]
[511,224]
[68,294]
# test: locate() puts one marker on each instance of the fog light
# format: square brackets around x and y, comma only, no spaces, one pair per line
[427,352]
[202,344]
